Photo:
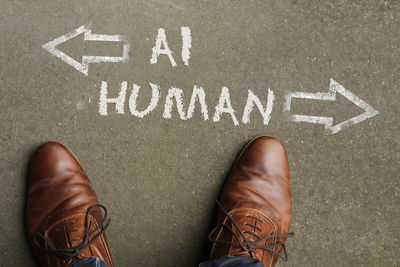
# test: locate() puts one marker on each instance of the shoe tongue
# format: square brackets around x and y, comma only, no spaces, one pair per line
[253,226]
[68,232]
[64,237]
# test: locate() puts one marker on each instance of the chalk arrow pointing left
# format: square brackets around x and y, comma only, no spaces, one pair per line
[330,96]
[88,36]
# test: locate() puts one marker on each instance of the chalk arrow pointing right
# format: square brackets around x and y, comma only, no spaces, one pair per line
[88,36]
[330,96]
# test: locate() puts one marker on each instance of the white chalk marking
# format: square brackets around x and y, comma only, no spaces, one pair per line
[198,93]
[119,100]
[224,98]
[178,95]
[253,99]
[84,66]
[161,39]
[331,96]
[155,96]
[186,44]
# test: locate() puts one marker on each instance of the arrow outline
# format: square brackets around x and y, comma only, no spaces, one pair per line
[88,36]
[330,96]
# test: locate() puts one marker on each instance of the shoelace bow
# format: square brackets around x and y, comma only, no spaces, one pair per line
[74,251]
[246,245]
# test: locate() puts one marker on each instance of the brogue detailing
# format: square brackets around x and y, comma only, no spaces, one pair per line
[63,246]
[247,228]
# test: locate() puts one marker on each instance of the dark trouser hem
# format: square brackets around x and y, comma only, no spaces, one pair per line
[229,261]
[89,262]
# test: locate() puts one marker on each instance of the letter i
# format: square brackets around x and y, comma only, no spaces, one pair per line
[186,44]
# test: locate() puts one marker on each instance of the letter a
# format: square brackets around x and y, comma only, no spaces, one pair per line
[161,39]
[220,108]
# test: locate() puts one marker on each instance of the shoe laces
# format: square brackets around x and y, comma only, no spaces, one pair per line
[245,244]
[74,251]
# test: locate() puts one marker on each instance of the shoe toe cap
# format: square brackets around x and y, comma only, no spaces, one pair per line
[52,159]
[57,183]
[261,175]
[267,155]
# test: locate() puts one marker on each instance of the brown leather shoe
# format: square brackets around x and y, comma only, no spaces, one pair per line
[64,219]
[255,205]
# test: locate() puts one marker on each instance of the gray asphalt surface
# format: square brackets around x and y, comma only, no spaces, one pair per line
[159,177]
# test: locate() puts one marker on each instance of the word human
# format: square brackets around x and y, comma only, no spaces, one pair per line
[175,96]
